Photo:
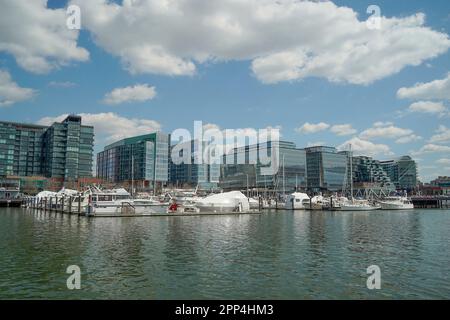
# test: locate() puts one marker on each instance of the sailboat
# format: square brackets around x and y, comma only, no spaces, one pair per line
[355,204]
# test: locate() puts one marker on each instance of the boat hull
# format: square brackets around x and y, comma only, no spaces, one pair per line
[395,206]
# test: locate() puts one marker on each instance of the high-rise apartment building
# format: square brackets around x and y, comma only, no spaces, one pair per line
[143,159]
[63,150]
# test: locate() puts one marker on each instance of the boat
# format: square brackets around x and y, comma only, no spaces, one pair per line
[119,201]
[396,203]
[318,203]
[297,201]
[358,205]
[233,201]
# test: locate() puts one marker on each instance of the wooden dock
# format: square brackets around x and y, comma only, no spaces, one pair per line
[431,202]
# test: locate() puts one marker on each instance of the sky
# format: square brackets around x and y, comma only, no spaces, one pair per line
[324,72]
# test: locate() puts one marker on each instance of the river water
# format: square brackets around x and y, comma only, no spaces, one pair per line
[275,255]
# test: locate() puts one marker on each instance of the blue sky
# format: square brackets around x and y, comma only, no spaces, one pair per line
[236,86]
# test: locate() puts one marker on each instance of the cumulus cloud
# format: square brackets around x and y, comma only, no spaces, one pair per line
[434,90]
[442,135]
[284,40]
[38,37]
[316,144]
[11,92]
[136,93]
[408,139]
[431,148]
[428,107]
[385,130]
[343,129]
[365,147]
[110,127]
[62,84]
[444,161]
[307,127]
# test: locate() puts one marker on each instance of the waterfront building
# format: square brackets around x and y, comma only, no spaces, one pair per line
[402,172]
[367,170]
[193,172]
[289,174]
[62,151]
[143,160]
[326,169]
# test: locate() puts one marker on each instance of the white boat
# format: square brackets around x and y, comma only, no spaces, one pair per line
[318,203]
[358,205]
[396,203]
[254,203]
[233,201]
[297,201]
[355,204]
[119,201]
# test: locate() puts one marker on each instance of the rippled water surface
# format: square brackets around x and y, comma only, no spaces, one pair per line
[278,255]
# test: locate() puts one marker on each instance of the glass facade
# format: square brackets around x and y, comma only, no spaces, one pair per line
[63,150]
[368,170]
[204,175]
[402,172]
[143,158]
[244,167]
[326,169]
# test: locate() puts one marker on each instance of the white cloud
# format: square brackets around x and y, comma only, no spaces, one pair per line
[364,147]
[431,148]
[315,144]
[285,40]
[62,84]
[38,37]
[110,127]
[11,92]
[445,161]
[385,130]
[428,107]
[408,139]
[343,129]
[442,135]
[136,93]
[434,90]
[307,127]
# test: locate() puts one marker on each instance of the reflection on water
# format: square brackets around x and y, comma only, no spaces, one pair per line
[278,255]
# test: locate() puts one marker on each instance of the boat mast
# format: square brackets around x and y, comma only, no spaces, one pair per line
[284,181]
[132,172]
[351,172]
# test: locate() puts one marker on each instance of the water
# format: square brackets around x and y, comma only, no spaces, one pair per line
[284,255]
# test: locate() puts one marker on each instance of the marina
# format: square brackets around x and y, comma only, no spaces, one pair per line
[273,255]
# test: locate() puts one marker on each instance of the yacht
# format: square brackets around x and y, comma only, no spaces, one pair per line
[358,205]
[396,203]
[119,201]
[297,201]
[233,201]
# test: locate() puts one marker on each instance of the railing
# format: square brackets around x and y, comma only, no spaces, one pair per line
[63,204]
[127,208]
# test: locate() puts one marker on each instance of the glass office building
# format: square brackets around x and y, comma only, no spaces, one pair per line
[193,172]
[402,172]
[326,169]
[63,150]
[369,170]
[244,167]
[142,158]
